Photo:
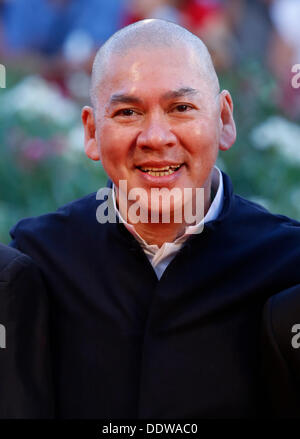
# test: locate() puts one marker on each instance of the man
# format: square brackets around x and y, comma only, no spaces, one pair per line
[25,376]
[159,319]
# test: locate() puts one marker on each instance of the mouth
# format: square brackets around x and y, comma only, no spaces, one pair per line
[160,171]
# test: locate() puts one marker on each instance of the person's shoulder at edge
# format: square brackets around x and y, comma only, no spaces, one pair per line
[11,260]
[281,352]
[24,315]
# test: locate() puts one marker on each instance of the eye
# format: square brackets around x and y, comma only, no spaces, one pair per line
[182,108]
[125,112]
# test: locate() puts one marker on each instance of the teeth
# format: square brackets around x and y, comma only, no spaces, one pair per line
[158,172]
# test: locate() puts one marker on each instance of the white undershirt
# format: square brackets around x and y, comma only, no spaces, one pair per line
[160,257]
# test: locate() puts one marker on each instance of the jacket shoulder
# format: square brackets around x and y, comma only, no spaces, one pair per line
[258,210]
[257,222]
[70,216]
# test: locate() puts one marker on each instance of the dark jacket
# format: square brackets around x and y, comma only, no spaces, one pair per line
[281,352]
[25,380]
[126,345]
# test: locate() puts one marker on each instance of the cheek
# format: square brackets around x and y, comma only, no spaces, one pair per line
[202,143]
[202,132]
[201,140]
[112,146]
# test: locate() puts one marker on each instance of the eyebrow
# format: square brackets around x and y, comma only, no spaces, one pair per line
[183,91]
[172,94]
[124,99]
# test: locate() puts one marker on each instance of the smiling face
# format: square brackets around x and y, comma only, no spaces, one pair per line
[159,120]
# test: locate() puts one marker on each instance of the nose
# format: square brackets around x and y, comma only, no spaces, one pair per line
[156,133]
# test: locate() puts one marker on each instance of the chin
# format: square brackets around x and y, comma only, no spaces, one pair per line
[165,211]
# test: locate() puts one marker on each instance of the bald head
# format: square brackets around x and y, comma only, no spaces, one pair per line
[149,34]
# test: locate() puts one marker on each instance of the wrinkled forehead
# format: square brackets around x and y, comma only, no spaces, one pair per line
[163,67]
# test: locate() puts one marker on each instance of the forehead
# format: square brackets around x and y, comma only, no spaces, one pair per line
[152,71]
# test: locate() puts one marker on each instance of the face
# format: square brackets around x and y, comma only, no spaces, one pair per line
[159,122]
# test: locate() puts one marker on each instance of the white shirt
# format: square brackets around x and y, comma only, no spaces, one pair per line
[160,257]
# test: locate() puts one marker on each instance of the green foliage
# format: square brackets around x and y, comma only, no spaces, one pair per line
[39,168]
[263,175]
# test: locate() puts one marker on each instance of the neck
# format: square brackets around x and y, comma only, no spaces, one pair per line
[159,233]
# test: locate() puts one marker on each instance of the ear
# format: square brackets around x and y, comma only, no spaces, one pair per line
[90,143]
[228,129]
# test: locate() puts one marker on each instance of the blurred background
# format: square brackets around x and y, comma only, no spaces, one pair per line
[47,48]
